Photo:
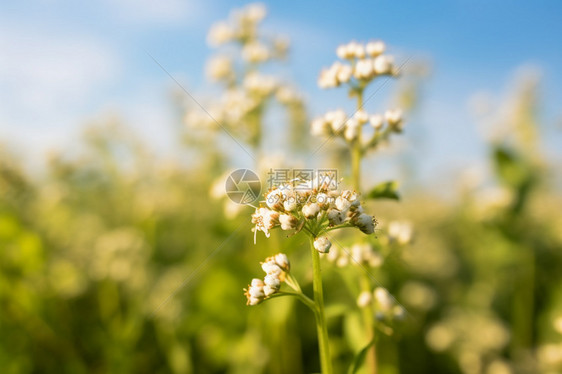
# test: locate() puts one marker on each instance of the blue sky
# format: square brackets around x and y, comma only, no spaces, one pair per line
[65,63]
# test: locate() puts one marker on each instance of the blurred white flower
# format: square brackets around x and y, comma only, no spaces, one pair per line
[375,48]
[322,244]
[219,68]
[220,33]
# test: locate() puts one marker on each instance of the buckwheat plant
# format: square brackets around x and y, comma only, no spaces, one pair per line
[242,51]
[311,208]
[359,66]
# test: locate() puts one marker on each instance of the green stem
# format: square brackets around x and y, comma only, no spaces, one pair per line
[302,297]
[367,310]
[321,327]
[356,152]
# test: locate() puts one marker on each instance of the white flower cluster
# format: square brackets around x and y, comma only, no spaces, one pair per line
[312,206]
[240,27]
[359,254]
[275,267]
[364,63]
[337,123]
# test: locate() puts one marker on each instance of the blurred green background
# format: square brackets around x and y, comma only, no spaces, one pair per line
[116,260]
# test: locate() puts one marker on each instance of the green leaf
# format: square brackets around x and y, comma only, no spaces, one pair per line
[509,167]
[360,358]
[385,190]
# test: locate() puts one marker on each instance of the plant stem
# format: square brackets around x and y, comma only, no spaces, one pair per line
[367,311]
[356,152]
[321,327]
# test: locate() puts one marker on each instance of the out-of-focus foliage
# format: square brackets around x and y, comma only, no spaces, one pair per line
[114,261]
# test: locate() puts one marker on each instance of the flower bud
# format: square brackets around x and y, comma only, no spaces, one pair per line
[394,118]
[364,69]
[335,217]
[376,121]
[322,244]
[290,204]
[344,73]
[268,290]
[342,204]
[288,221]
[364,299]
[320,127]
[282,261]
[375,48]
[365,223]
[351,129]
[272,281]
[361,116]
[382,65]
[310,210]
[383,298]
[271,268]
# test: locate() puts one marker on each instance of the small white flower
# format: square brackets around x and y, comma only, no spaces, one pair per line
[337,120]
[335,217]
[282,261]
[265,220]
[324,200]
[290,204]
[219,67]
[253,301]
[383,298]
[344,73]
[272,281]
[359,51]
[363,69]
[352,127]
[382,65]
[375,48]
[343,52]
[255,52]
[329,77]
[342,204]
[361,116]
[271,268]
[220,33]
[274,199]
[268,290]
[322,244]
[288,221]
[255,292]
[376,120]
[394,118]
[364,299]
[320,127]
[310,210]
[256,282]
[255,12]
[365,223]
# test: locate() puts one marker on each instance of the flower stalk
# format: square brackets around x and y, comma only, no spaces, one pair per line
[321,326]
